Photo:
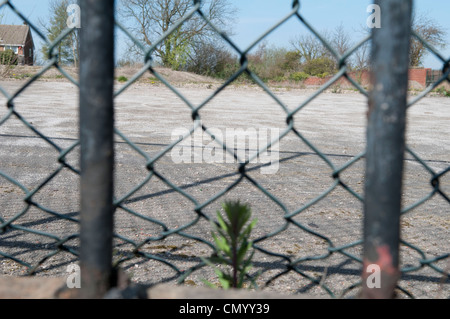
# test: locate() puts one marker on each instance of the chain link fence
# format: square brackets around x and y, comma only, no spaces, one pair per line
[309,236]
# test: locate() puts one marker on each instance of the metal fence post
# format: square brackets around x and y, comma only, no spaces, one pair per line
[97,146]
[385,149]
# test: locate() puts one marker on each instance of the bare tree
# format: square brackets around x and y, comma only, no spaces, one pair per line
[341,40]
[316,55]
[362,57]
[151,19]
[309,47]
[431,32]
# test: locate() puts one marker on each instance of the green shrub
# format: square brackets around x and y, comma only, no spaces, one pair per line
[8,57]
[299,76]
[279,78]
[317,67]
[212,60]
[269,64]
[291,61]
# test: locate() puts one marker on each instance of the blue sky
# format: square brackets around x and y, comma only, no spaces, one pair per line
[256,16]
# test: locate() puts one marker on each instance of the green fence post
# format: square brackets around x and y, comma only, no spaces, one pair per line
[385,149]
[97,146]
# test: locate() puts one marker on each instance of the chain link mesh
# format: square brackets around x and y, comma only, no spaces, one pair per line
[150,247]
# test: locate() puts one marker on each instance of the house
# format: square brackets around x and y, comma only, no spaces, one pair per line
[19,39]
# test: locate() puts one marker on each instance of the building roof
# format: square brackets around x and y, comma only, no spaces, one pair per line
[13,34]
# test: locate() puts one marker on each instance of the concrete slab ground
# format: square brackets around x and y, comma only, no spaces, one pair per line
[152,116]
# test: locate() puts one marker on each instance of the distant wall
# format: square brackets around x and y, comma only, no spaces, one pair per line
[419,75]
[363,78]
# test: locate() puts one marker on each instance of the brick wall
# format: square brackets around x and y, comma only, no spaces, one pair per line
[418,75]
[362,77]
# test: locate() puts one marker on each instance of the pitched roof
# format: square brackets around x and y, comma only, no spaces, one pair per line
[13,34]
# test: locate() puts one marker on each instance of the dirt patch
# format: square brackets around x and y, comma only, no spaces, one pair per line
[23,72]
[414,85]
[191,80]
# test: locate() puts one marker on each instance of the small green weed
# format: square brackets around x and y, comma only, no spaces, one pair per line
[443,91]
[122,79]
[232,243]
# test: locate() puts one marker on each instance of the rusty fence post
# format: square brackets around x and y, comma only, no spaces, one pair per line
[385,149]
[97,146]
